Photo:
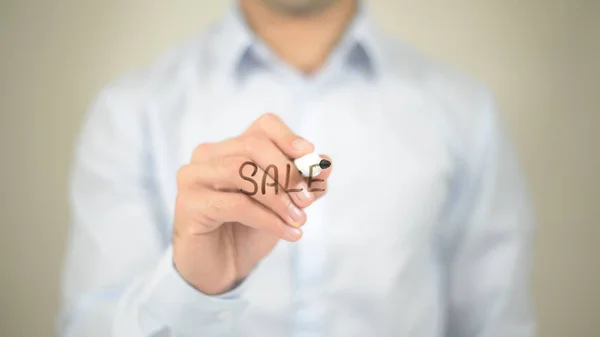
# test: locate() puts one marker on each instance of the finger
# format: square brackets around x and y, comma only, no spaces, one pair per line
[292,146]
[237,207]
[263,152]
[222,174]
[281,135]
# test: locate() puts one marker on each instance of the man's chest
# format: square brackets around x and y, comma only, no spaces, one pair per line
[391,166]
[371,238]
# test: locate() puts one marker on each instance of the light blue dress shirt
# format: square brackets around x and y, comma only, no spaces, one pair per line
[425,230]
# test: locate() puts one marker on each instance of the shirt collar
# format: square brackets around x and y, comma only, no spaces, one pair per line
[359,45]
[237,50]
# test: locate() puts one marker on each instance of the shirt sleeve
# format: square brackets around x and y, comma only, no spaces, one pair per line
[489,259]
[118,277]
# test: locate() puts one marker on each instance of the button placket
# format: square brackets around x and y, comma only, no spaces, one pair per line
[309,254]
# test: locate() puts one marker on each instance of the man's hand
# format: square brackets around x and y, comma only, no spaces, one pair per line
[220,234]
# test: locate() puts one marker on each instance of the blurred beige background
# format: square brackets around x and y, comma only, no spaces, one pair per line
[541,58]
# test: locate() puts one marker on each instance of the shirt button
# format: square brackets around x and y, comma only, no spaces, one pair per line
[224,315]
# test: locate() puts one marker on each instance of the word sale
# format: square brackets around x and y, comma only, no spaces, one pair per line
[275,183]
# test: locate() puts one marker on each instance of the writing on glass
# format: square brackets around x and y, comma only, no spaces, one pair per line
[274,177]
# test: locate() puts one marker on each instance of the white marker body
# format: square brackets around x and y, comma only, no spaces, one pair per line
[304,163]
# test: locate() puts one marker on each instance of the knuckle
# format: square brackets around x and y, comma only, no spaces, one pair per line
[228,171]
[267,118]
[251,143]
[227,166]
[202,150]
[241,143]
[235,164]
[182,174]
[218,163]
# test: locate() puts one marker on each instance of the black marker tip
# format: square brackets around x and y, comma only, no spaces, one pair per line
[324,163]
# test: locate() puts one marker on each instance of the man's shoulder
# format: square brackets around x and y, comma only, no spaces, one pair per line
[166,75]
[461,99]
[170,76]
[409,64]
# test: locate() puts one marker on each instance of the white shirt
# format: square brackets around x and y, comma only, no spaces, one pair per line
[425,229]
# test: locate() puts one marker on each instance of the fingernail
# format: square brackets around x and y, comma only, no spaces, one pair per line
[301,144]
[292,233]
[296,214]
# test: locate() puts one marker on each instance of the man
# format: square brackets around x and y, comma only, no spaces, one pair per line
[421,226]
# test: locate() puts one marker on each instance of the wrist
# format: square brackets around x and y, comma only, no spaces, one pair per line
[204,265]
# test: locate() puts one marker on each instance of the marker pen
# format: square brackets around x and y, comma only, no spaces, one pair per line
[304,163]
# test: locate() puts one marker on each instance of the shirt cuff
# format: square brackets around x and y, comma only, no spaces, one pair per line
[181,307]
